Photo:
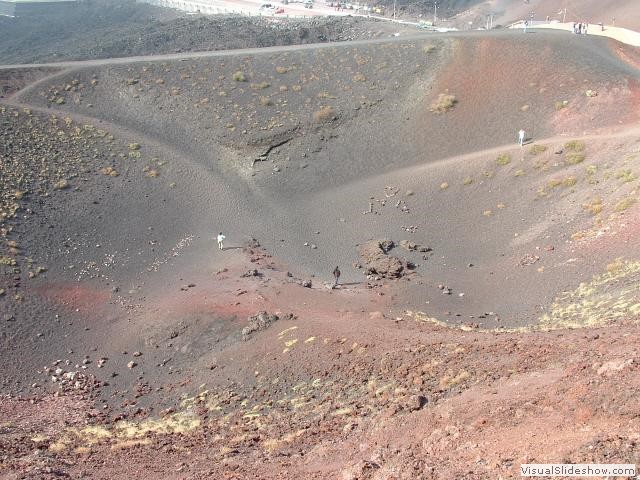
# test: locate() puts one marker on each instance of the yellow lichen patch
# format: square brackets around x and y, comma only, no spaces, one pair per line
[92,434]
[424,318]
[181,422]
[299,402]
[273,444]
[342,411]
[284,332]
[58,446]
[607,299]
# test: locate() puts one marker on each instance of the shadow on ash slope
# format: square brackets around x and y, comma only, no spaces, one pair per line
[128,172]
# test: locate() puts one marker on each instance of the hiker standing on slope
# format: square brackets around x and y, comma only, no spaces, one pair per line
[521,137]
[221,238]
[336,277]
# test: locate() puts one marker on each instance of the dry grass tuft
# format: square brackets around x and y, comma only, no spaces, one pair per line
[623,204]
[359,77]
[239,76]
[594,206]
[562,104]
[260,86]
[625,176]
[467,181]
[110,171]
[444,186]
[503,159]
[443,103]
[265,101]
[61,184]
[537,149]
[325,114]
[451,380]
[575,146]
[573,158]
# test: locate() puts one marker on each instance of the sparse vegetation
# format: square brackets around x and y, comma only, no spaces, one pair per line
[575,146]
[61,184]
[573,158]
[625,176]
[623,204]
[444,186]
[519,173]
[561,104]
[467,181]
[265,101]
[537,149]
[429,48]
[615,266]
[110,171]
[594,206]
[239,76]
[260,86]
[359,77]
[281,70]
[451,380]
[503,159]
[569,181]
[444,103]
[325,114]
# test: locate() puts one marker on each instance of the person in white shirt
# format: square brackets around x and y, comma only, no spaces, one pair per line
[221,238]
[521,137]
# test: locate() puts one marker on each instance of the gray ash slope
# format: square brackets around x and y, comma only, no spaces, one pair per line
[121,29]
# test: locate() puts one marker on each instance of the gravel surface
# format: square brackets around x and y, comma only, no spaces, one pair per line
[121,28]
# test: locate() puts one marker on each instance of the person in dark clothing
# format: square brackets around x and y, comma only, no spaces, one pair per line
[336,276]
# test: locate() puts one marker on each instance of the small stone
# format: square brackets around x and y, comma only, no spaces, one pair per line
[131,364]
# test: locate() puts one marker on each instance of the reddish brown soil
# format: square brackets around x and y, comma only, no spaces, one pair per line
[123,356]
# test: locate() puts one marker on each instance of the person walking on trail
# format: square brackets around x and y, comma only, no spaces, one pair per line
[221,238]
[336,277]
[526,24]
[521,137]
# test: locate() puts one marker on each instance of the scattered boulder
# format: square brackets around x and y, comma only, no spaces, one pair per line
[377,262]
[251,273]
[414,247]
[258,322]
[416,402]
